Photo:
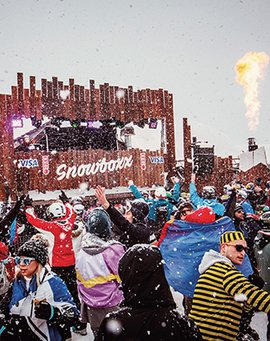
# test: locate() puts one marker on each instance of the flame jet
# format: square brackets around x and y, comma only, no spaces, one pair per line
[249,70]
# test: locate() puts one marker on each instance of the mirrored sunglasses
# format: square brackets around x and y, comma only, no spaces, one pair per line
[23,260]
[239,247]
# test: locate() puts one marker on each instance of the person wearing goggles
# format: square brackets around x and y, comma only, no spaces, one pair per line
[38,305]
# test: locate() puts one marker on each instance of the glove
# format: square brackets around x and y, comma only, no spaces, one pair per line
[28,201]
[21,199]
[44,310]
[63,197]
[130,182]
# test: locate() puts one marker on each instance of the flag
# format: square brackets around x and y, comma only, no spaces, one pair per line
[184,246]
[13,232]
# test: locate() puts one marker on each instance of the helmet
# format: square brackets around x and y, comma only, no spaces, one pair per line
[98,222]
[227,189]
[242,193]
[57,210]
[78,208]
[209,192]
[265,218]
[160,193]
[76,200]
[250,186]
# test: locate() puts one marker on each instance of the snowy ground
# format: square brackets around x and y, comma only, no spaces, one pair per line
[259,322]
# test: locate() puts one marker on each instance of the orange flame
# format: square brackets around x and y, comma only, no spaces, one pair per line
[249,70]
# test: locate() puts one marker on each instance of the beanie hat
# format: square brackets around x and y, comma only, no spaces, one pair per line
[231,236]
[98,222]
[35,248]
[139,210]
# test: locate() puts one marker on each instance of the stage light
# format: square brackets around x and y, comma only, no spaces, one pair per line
[94,124]
[17,122]
[75,124]
[153,123]
[90,124]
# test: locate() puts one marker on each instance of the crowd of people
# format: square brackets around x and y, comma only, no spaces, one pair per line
[117,266]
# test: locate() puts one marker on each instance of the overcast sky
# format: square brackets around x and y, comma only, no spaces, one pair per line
[188,47]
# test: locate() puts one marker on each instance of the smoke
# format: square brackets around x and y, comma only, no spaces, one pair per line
[249,70]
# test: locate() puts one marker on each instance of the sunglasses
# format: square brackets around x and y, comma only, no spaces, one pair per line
[239,247]
[184,212]
[23,260]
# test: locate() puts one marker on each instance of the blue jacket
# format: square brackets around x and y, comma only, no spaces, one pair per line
[23,298]
[155,203]
[197,201]
[246,206]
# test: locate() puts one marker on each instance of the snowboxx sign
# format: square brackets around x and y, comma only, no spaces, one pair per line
[102,166]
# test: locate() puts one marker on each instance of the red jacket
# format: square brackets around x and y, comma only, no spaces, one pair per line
[61,228]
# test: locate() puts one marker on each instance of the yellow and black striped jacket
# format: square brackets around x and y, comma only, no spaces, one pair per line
[219,299]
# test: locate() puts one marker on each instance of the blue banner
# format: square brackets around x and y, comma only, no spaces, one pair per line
[184,246]
[13,230]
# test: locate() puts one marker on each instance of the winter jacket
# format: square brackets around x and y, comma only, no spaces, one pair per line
[247,208]
[155,203]
[197,201]
[218,299]
[22,323]
[61,229]
[149,312]
[97,272]
[130,233]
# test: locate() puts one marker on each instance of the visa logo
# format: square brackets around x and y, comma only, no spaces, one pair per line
[157,159]
[28,163]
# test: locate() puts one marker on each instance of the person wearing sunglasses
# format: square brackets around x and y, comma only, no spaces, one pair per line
[222,293]
[38,305]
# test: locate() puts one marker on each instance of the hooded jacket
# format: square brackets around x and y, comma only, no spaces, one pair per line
[219,295]
[149,312]
[130,233]
[97,272]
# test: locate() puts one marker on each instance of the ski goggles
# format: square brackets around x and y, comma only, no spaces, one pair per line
[23,260]
[239,247]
